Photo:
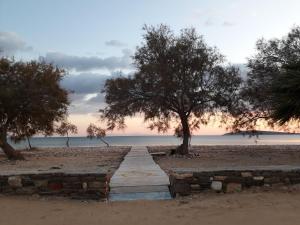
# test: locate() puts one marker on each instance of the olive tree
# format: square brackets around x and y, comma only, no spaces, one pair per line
[31,101]
[178,78]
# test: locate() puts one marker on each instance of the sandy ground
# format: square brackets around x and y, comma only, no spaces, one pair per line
[247,208]
[230,156]
[64,159]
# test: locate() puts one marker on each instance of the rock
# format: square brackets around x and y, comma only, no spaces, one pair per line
[183,176]
[15,181]
[246,174]
[258,178]
[233,187]
[84,186]
[216,186]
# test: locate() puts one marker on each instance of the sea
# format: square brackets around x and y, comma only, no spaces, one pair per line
[42,142]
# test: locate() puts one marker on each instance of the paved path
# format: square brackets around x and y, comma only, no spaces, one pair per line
[139,177]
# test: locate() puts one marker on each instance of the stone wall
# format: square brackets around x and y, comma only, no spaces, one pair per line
[185,183]
[86,186]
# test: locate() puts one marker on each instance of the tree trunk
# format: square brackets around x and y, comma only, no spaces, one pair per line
[28,141]
[68,141]
[183,149]
[8,150]
[107,145]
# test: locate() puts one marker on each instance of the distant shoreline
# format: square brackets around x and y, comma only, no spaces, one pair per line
[260,132]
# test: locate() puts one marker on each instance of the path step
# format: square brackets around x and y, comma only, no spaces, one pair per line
[137,189]
[139,177]
[140,196]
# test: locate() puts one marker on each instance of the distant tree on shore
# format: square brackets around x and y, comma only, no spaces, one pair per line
[65,129]
[272,90]
[96,132]
[179,78]
[31,101]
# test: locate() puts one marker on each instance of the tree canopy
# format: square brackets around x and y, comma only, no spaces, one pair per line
[272,90]
[94,131]
[31,100]
[65,129]
[178,78]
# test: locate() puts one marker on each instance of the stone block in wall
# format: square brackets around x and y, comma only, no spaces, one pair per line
[272,180]
[41,183]
[216,186]
[233,187]
[195,188]
[84,186]
[185,176]
[219,178]
[55,185]
[27,181]
[180,184]
[72,185]
[258,181]
[204,182]
[246,174]
[15,181]
[26,190]
[95,185]
[295,180]
[235,179]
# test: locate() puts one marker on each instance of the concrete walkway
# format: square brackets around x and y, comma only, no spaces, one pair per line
[139,177]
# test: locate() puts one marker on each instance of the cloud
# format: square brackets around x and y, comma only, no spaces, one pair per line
[227,24]
[115,43]
[84,63]
[10,43]
[86,87]
[85,83]
[208,23]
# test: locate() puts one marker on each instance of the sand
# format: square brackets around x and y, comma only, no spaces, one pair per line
[89,159]
[254,206]
[230,156]
[247,208]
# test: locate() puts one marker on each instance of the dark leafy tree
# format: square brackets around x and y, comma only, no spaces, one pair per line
[272,91]
[65,129]
[31,101]
[96,132]
[178,78]
[25,134]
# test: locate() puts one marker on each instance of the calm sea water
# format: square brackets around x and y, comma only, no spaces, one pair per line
[164,140]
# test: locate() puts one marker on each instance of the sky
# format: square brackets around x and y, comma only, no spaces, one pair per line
[95,39]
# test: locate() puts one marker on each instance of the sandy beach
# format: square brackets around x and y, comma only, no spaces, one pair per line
[277,206]
[79,159]
[229,156]
[248,208]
